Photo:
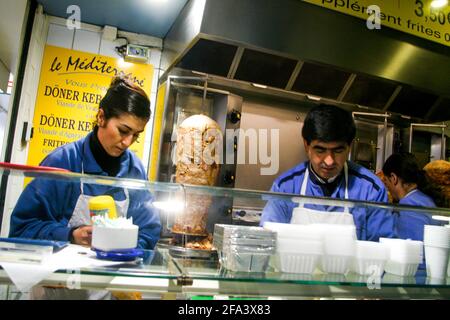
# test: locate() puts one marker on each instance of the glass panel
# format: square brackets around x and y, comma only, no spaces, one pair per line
[191,251]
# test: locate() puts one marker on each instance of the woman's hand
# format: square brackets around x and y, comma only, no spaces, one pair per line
[82,235]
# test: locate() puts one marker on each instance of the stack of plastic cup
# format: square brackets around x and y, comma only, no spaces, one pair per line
[448,268]
[437,243]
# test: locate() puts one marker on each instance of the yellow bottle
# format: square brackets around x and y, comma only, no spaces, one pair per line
[102,206]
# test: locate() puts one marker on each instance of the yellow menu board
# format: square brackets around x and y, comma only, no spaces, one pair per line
[71,85]
[415,17]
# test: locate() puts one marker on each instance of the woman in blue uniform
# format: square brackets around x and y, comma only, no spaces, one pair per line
[58,210]
[409,186]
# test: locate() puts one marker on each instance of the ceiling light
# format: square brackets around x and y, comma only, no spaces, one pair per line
[262,86]
[169,206]
[438,3]
[441,218]
[314,98]
[199,73]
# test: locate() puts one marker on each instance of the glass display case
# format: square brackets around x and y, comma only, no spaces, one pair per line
[186,265]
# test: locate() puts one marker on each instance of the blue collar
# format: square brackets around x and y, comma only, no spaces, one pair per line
[91,166]
[314,177]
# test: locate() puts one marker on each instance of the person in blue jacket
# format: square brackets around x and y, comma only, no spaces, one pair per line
[58,210]
[409,185]
[328,132]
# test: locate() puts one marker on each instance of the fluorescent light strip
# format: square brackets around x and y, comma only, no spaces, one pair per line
[438,3]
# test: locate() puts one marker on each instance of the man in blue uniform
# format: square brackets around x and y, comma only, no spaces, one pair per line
[409,185]
[328,132]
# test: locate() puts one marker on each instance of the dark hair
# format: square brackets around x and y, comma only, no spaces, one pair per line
[405,166]
[123,96]
[328,124]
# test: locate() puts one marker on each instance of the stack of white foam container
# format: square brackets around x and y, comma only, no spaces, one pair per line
[370,258]
[339,247]
[404,256]
[299,247]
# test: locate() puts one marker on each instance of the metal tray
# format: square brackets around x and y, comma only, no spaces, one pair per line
[180,252]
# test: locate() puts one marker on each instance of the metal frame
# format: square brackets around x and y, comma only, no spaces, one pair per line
[381,115]
[443,126]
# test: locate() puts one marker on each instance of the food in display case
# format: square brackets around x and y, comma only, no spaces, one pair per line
[198,146]
[438,172]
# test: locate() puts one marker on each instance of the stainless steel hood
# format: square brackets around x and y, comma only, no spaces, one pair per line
[300,48]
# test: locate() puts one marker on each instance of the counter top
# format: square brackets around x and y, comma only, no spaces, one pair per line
[159,272]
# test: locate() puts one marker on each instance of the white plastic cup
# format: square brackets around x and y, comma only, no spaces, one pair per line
[436,261]
[436,236]
[448,268]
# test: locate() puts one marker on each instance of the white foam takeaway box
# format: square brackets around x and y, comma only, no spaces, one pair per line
[404,256]
[298,255]
[370,258]
[113,239]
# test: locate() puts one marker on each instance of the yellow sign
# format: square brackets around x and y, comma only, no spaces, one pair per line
[157,131]
[71,85]
[416,17]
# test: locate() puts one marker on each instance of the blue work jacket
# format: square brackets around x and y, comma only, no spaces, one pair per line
[46,205]
[410,224]
[371,222]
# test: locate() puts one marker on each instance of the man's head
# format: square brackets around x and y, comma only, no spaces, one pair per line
[328,132]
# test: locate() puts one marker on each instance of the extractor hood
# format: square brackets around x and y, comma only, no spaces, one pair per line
[297,47]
